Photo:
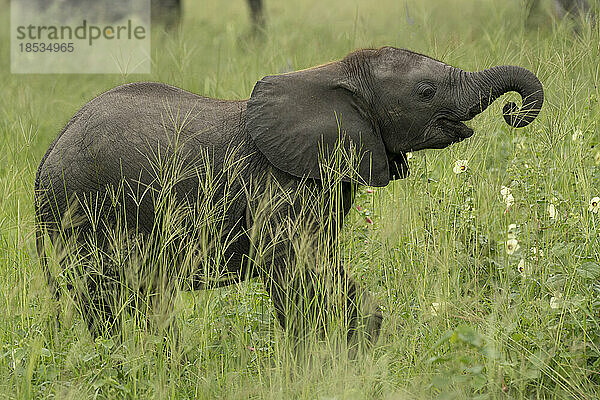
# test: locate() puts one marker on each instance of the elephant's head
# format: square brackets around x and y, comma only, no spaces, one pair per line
[383,103]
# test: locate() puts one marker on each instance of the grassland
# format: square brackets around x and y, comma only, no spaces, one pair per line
[463,317]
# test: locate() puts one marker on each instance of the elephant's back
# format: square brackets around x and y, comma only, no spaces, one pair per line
[125,134]
[154,110]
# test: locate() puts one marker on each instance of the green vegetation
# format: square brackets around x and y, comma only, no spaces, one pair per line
[487,292]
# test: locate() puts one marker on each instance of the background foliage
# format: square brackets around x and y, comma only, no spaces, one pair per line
[463,318]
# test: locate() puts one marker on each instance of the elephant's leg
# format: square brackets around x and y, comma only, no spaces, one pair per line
[166,12]
[257,15]
[274,232]
[99,293]
[304,302]
[309,292]
[98,308]
[308,286]
[297,300]
[93,287]
[288,227]
[531,7]
[151,274]
[575,8]
[358,308]
[363,315]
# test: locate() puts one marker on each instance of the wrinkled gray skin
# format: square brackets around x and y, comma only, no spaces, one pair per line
[388,102]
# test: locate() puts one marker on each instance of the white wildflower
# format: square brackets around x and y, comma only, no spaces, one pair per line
[507,196]
[409,155]
[577,135]
[509,200]
[512,231]
[436,308]
[536,253]
[551,211]
[521,267]
[512,245]
[594,205]
[556,301]
[460,166]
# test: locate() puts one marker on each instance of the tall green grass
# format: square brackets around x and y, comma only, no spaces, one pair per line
[463,318]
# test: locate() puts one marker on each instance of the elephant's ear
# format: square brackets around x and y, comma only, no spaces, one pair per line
[297,120]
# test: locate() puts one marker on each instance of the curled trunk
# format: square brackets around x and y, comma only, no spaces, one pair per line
[491,83]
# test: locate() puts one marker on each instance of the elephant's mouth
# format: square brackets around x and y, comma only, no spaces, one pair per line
[443,132]
[398,164]
[455,129]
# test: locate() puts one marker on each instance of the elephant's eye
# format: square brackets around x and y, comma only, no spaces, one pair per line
[426,90]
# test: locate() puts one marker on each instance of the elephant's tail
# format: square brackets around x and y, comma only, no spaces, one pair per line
[39,244]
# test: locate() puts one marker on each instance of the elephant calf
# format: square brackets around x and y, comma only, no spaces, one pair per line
[246,188]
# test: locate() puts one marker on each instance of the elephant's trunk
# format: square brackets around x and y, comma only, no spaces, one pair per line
[491,83]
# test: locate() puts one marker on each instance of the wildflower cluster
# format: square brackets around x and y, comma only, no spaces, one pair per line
[556,302]
[577,135]
[507,196]
[512,245]
[536,254]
